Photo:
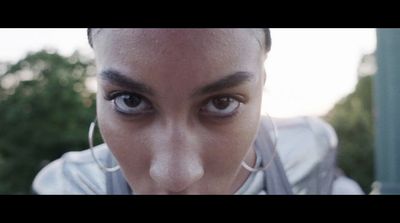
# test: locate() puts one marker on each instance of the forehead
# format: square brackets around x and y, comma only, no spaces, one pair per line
[197,35]
[198,55]
[184,42]
[183,39]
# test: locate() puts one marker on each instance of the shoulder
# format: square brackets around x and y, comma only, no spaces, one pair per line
[302,135]
[310,126]
[73,173]
[344,185]
[305,144]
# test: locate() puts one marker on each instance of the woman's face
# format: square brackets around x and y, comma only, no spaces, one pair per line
[180,108]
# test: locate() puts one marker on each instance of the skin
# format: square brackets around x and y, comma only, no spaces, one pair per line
[180,139]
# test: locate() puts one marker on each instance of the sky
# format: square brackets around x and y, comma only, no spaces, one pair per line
[311,69]
[308,70]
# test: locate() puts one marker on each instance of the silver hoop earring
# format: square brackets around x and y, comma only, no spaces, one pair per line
[101,166]
[251,169]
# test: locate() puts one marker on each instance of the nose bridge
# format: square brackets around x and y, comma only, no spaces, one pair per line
[174,137]
[176,133]
[177,143]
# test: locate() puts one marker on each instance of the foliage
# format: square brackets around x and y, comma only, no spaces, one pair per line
[45,110]
[352,119]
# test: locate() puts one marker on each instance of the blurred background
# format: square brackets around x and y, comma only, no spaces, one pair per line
[47,94]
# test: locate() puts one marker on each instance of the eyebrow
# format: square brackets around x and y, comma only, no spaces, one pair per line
[226,82]
[119,79]
[229,81]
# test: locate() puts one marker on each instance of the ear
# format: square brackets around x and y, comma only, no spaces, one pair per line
[264,73]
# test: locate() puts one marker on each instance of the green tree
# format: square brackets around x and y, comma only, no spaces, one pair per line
[353,121]
[45,110]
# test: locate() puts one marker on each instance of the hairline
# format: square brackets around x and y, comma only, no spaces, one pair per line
[91,32]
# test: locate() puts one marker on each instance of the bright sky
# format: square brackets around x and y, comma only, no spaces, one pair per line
[308,69]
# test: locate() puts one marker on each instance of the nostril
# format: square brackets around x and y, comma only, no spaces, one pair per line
[176,174]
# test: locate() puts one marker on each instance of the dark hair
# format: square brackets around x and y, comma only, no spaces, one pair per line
[266,33]
[267,40]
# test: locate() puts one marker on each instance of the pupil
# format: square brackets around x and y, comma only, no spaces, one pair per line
[131,101]
[222,103]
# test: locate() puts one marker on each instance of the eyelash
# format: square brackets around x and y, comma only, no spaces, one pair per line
[113,96]
[236,99]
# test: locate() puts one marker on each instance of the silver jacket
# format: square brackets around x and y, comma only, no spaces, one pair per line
[305,162]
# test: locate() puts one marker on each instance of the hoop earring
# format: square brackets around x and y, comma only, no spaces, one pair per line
[251,169]
[101,166]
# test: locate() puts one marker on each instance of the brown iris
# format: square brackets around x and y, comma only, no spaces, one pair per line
[131,100]
[222,102]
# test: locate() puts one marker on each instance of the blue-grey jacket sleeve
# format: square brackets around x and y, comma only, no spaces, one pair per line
[73,173]
[307,147]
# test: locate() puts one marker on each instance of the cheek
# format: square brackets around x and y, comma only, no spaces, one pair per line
[228,144]
[126,142]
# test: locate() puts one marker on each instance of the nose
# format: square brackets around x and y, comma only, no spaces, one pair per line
[176,172]
[176,163]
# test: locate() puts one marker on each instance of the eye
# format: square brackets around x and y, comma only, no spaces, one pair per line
[221,106]
[131,104]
